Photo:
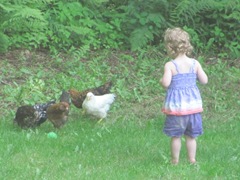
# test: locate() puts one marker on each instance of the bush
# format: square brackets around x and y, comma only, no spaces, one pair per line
[78,27]
[4,43]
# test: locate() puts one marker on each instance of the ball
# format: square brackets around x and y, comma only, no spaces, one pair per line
[52,135]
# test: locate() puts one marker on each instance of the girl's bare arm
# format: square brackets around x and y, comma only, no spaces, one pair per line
[202,77]
[167,76]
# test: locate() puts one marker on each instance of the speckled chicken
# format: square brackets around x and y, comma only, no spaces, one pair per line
[78,97]
[28,116]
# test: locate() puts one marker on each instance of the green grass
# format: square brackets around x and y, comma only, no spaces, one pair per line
[129,144]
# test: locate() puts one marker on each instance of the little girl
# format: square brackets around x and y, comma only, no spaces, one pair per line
[183,103]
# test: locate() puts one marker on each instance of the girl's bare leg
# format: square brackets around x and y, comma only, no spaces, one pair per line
[191,145]
[175,149]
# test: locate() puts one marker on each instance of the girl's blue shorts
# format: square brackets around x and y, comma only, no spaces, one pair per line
[190,125]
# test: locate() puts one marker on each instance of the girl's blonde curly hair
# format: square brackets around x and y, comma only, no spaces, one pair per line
[177,41]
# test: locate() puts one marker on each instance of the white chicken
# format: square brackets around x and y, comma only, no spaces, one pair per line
[98,106]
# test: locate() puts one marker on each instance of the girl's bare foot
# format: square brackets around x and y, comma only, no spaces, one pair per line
[174,162]
[192,161]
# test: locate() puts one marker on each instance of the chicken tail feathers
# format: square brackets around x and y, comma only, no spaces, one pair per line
[65,97]
[104,89]
[109,98]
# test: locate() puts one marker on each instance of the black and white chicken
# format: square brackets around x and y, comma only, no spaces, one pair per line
[28,116]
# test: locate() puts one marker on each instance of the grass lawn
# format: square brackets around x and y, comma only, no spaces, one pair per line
[129,143]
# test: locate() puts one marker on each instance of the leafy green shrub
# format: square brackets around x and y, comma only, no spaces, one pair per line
[24,24]
[143,22]
[223,28]
[4,43]
[214,24]
[77,27]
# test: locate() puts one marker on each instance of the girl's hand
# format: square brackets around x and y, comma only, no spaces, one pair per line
[160,81]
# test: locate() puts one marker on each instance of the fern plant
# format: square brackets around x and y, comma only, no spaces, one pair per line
[24,25]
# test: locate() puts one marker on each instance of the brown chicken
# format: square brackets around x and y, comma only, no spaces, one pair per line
[78,97]
[58,114]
